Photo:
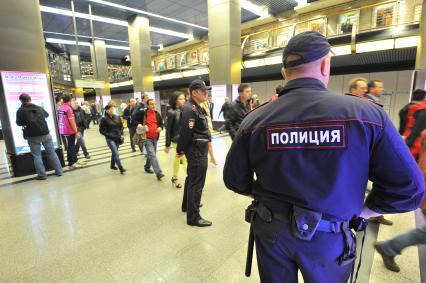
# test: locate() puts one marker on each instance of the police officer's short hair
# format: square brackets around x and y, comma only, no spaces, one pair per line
[24,98]
[418,95]
[242,87]
[372,83]
[353,84]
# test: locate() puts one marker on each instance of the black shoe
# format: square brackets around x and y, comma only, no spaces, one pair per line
[149,171]
[122,170]
[381,219]
[200,223]
[113,167]
[389,261]
[159,176]
[41,178]
[133,149]
[87,156]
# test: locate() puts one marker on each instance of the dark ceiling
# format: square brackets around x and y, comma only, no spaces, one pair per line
[192,11]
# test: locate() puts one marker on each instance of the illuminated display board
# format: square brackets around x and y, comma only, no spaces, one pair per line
[35,85]
[218,98]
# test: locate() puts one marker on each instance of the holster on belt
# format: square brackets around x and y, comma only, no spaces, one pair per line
[304,223]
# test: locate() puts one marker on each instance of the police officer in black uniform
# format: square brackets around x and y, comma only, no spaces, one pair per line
[193,142]
[312,153]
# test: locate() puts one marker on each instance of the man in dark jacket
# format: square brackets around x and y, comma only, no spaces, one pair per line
[81,122]
[32,118]
[238,109]
[127,115]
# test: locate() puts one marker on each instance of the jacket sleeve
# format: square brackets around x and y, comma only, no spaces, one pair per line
[186,131]
[45,113]
[237,172]
[398,184]
[160,122]
[418,127]
[403,119]
[170,121]
[103,128]
[19,121]
[229,121]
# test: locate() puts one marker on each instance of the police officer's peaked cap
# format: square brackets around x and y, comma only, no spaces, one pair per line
[198,84]
[308,45]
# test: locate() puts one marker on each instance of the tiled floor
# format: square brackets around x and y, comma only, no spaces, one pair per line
[94,225]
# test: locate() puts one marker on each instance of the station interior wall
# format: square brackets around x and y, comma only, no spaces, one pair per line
[397,85]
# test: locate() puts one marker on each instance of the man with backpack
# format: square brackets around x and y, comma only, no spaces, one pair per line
[32,118]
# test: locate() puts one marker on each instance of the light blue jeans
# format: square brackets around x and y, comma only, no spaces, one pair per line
[35,147]
[413,237]
[115,156]
[151,152]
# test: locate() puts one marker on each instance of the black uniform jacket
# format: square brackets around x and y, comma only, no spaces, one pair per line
[194,125]
[317,150]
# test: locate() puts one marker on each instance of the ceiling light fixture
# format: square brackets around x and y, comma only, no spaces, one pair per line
[106,3]
[255,9]
[111,21]
[86,36]
[67,42]
[82,43]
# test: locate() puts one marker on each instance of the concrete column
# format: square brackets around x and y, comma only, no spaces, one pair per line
[140,53]
[100,67]
[421,49]
[22,42]
[224,41]
[76,75]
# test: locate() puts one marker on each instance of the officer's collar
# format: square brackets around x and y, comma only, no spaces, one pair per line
[302,83]
[194,102]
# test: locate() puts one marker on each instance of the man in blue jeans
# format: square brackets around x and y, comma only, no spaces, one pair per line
[391,248]
[154,124]
[32,118]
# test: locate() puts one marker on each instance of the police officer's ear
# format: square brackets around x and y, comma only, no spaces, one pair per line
[325,66]
[283,72]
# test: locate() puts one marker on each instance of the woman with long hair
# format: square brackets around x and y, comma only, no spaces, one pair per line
[206,107]
[112,128]
[177,101]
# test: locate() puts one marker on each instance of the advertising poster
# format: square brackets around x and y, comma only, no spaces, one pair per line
[79,100]
[193,57]
[218,98]
[37,86]
[234,91]
[171,62]
[137,94]
[346,22]
[105,100]
[150,94]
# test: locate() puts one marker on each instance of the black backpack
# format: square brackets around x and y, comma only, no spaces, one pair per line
[34,122]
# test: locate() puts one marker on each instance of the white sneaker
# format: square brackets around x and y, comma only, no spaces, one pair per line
[81,163]
[75,166]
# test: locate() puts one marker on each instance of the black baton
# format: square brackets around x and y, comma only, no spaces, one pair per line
[250,252]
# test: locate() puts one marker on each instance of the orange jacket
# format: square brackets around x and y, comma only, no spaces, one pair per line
[411,120]
[422,161]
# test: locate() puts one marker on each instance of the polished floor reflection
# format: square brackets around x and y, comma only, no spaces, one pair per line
[94,225]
